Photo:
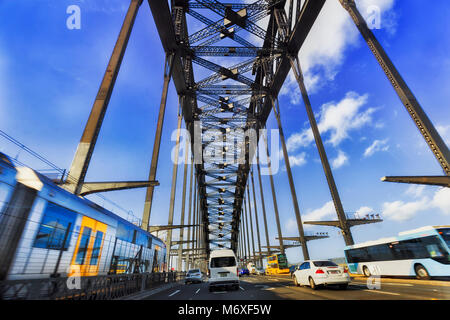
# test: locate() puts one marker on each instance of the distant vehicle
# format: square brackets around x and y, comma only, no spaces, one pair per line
[292,269]
[223,271]
[193,276]
[314,273]
[244,271]
[423,253]
[277,264]
[251,268]
[260,271]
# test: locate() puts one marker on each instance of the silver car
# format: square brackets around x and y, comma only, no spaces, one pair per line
[193,276]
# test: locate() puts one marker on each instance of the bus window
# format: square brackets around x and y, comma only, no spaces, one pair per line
[445,234]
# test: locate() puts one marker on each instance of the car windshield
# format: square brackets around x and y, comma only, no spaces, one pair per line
[324,264]
[221,262]
[194,271]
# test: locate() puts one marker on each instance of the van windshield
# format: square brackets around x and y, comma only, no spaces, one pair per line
[221,262]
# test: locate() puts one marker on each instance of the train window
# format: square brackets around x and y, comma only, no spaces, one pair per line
[149,243]
[83,246]
[142,239]
[56,222]
[96,249]
[134,236]
[124,232]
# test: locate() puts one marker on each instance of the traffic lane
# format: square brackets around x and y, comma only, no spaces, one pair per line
[360,290]
[250,288]
[279,287]
[416,290]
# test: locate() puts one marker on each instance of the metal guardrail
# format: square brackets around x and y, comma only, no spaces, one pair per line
[106,287]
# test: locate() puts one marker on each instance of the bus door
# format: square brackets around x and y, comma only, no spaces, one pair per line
[88,248]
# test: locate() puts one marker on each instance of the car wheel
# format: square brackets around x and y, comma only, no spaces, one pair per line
[343,286]
[421,272]
[296,282]
[366,271]
[312,284]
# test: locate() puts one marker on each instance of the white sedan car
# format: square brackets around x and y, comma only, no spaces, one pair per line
[321,272]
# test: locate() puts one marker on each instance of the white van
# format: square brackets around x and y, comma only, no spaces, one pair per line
[223,271]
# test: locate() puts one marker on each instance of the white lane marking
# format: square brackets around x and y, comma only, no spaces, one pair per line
[383,292]
[197,291]
[174,293]
[273,279]
[242,288]
[398,284]
[217,292]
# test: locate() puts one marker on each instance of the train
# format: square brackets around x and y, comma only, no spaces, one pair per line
[46,231]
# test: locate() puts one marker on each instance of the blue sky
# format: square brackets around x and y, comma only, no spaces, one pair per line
[49,77]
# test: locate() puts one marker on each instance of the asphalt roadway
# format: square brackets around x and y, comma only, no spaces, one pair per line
[282,288]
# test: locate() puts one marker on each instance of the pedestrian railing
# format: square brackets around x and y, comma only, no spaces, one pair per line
[85,288]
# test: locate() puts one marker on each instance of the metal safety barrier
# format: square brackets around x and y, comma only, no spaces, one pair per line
[85,288]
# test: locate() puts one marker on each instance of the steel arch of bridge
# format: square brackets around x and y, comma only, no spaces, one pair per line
[229,98]
[236,96]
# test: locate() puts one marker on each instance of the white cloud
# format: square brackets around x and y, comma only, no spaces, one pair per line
[376,146]
[403,211]
[340,160]
[363,211]
[333,33]
[298,160]
[415,190]
[441,200]
[300,139]
[291,225]
[336,119]
[318,214]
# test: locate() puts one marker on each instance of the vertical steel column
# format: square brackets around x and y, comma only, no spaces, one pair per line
[247,229]
[197,232]
[262,202]
[249,202]
[83,155]
[323,155]
[168,66]
[275,205]
[183,206]
[291,182]
[194,219]
[174,186]
[189,217]
[256,218]
[423,123]
[244,238]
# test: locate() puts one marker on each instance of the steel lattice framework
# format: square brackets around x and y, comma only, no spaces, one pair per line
[234,95]
[228,73]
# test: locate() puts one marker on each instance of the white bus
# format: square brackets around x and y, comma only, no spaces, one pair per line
[422,252]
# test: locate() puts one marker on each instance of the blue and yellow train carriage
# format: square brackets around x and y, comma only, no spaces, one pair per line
[47,231]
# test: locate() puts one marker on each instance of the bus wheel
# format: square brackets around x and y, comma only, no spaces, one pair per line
[366,271]
[421,272]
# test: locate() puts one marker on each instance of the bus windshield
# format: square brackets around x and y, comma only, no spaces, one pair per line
[445,234]
[282,261]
